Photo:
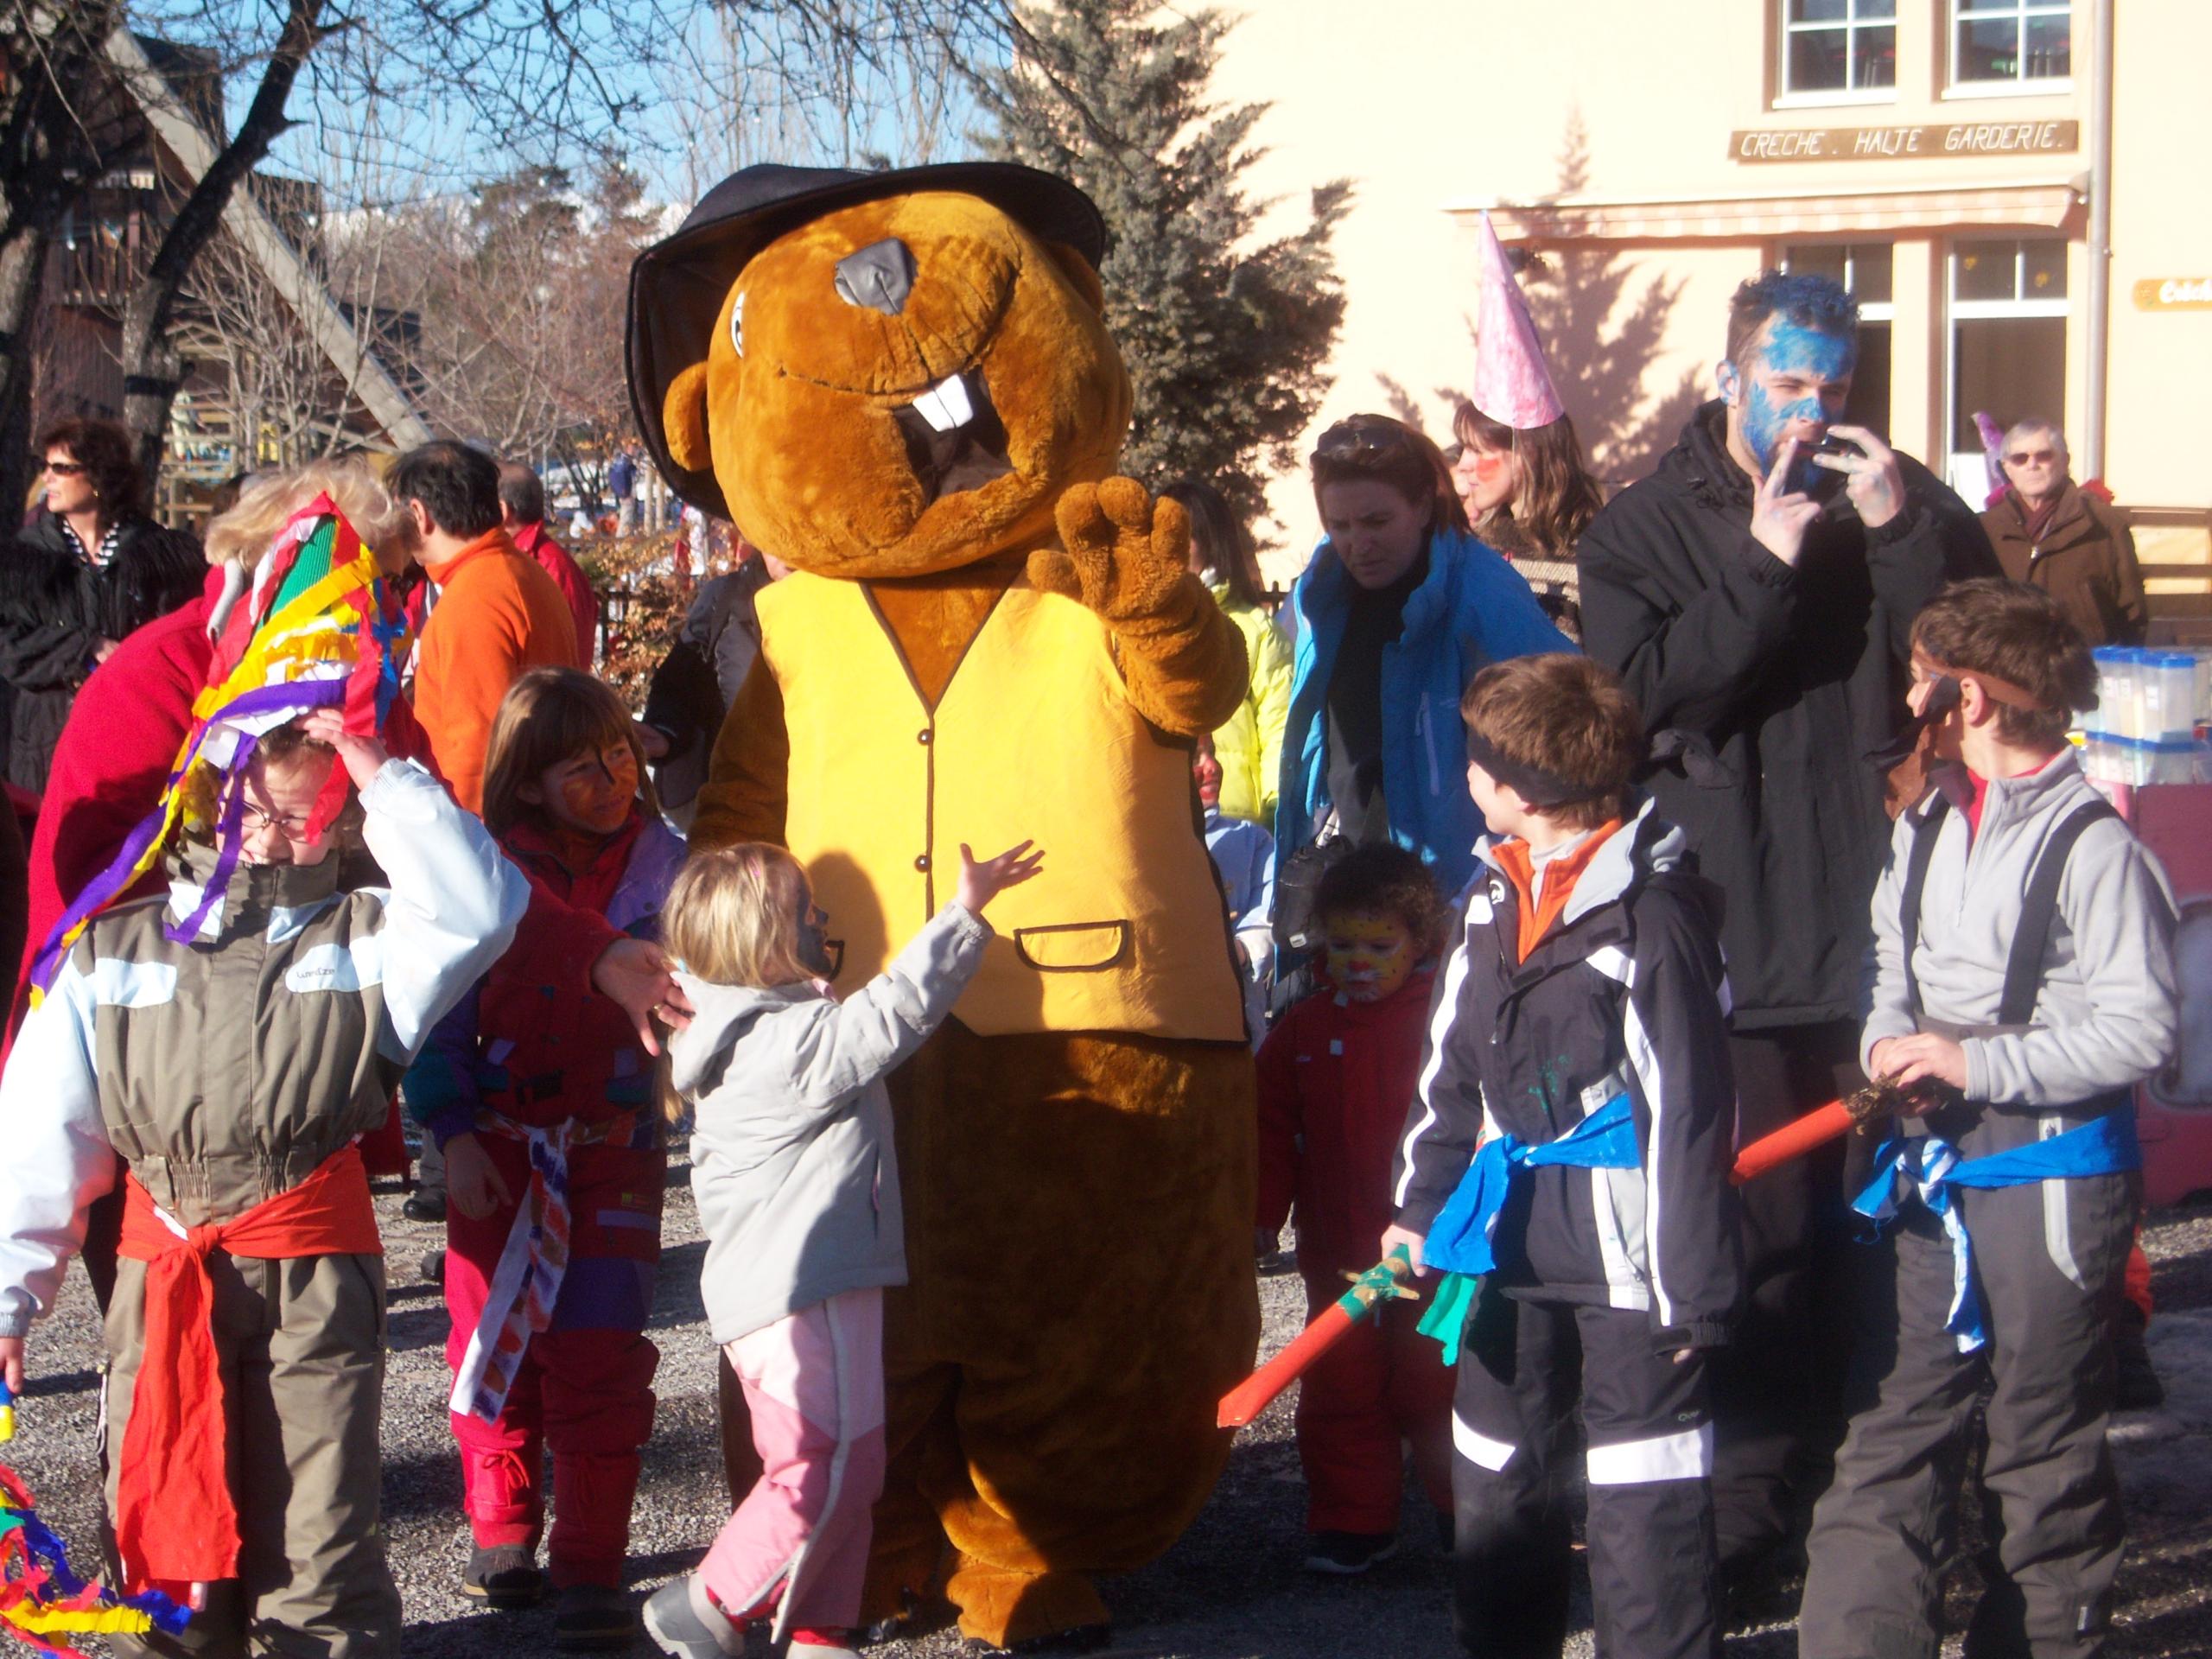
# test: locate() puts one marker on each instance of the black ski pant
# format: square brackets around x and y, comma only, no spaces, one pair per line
[1777,1388]
[1522,1367]
[2049,1260]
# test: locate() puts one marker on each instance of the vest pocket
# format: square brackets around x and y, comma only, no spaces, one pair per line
[1072,947]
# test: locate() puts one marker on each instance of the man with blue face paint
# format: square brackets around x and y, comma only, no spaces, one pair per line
[1757,594]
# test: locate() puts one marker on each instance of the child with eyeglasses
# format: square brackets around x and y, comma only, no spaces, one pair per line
[540,1092]
[228,1043]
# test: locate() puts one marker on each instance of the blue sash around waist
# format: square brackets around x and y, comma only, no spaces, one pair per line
[1461,1244]
[1462,1240]
[1932,1166]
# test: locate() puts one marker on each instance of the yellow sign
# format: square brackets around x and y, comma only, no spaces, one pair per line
[1895,143]
[2174,293]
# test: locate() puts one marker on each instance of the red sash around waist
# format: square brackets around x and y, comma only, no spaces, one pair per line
[174,1520]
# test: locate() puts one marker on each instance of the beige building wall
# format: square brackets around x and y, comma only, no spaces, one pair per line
[1608,137]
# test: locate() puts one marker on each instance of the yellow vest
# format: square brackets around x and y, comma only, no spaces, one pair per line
[1034,739]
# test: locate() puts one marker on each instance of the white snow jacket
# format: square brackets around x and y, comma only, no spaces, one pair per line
[792,1159]
[225,1069]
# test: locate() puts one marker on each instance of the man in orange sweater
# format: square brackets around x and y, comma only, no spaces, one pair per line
[496,613]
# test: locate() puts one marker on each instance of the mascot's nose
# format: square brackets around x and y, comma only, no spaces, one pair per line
[879,276]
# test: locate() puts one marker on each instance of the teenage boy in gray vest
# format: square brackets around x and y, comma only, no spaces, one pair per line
[2023,983]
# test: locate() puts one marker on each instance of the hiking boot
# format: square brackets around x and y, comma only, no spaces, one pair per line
[683,1620]
[504,1577]
[1349,1552]
[593,1618]
[424,1206]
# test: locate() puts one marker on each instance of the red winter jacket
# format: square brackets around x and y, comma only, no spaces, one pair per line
[531,1039]
[568,576]
[1336,1078]
[111,759]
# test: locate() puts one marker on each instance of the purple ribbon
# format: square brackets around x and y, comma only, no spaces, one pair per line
[298,697]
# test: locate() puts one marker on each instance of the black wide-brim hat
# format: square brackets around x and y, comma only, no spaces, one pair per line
[677,285]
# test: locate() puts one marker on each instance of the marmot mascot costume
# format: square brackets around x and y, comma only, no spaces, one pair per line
[899,385]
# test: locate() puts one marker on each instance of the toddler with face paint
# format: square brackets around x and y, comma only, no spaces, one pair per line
[542,1096]
[797,1179]
[1336,1074]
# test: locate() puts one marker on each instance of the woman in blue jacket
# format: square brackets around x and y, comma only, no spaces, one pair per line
[1399,607]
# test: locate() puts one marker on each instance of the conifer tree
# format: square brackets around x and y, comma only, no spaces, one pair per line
[1225,341]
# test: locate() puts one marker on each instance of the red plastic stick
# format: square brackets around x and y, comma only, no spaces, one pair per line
[1249,1398]
[1380,1283]
[1822,1124]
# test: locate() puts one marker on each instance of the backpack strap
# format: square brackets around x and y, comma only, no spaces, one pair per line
[2038,909]
[1924,835]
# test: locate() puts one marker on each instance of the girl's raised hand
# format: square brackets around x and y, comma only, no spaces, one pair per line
[362,757]
[981,882]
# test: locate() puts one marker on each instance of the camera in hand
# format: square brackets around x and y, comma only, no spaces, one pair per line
[1826,484]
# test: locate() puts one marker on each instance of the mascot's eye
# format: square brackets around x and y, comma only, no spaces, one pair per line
[737,325]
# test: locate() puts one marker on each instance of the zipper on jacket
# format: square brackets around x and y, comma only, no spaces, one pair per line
[1427,725]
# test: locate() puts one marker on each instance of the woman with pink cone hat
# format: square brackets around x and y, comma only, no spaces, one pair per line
[1520,468]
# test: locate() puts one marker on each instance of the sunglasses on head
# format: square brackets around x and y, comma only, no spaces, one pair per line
[2032,457]
[1363,438]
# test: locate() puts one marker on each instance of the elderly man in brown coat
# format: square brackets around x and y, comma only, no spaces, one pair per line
[2050,532]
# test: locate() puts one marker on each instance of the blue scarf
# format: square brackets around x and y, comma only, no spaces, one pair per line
[1463,1240]
[1932,1166]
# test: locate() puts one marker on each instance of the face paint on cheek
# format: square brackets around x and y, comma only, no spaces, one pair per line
[1369,956]
[598,799]
[1792,348]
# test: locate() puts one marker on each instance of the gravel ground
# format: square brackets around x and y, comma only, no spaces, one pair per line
[1231,1587]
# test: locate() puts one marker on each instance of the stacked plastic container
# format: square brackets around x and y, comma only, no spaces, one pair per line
[2154,706]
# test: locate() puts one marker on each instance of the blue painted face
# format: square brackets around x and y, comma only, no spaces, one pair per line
[1794,385]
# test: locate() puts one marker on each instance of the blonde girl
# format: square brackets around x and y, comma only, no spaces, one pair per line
[797,1189]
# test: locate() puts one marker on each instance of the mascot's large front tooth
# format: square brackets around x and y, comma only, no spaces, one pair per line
[946,405]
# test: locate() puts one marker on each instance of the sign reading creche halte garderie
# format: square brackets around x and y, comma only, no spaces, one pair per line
[1894,143]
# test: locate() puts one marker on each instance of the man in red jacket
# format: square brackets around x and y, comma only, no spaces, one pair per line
[522,514]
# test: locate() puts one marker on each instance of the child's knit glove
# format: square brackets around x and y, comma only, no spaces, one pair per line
[1126,559]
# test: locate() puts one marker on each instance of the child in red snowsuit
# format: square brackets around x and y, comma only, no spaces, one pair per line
[541,1095]
[1336,1075]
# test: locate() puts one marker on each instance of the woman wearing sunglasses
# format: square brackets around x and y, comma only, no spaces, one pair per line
[86,570]
[2050,532]
[1399,609]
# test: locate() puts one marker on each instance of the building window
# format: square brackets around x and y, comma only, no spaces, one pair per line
[1862,270]
[2007,346]
[1832,46]
[2011,42]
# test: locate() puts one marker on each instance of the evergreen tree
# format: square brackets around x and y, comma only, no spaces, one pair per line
[1225,343]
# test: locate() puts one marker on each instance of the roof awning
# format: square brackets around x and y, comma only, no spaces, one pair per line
[2044,205]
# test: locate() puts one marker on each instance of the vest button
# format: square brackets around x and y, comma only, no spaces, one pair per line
[922,862]
[921,736]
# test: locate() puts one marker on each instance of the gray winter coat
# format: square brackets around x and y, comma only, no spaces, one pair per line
[2106,1008]
[792,1162]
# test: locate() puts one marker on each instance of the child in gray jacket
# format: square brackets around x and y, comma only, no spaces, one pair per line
[797,1188]
[2023,983]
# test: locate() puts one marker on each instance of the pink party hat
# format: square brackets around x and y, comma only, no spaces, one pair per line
[1512,385]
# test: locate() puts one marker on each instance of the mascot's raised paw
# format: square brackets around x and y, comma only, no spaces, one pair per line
[1127,554]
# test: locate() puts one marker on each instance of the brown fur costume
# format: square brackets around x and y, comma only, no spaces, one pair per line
[1079,1201]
